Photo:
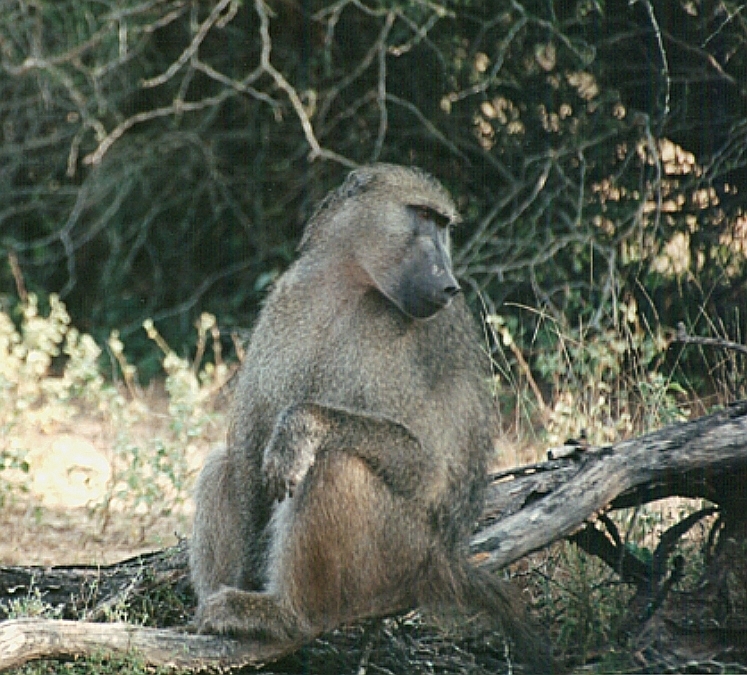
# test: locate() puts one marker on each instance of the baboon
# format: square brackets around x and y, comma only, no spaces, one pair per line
[356,459]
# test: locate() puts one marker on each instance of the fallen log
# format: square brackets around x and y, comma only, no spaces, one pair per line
[528,508]
[704,458]
[23,640]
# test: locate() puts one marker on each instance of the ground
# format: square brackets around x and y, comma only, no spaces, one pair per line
[55,514]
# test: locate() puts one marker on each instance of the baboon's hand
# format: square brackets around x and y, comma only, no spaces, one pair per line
[291,451]
[285,467]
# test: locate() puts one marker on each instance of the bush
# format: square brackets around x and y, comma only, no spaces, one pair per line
[50,378]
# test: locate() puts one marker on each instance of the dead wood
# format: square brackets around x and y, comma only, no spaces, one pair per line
[719,343]
[528,508]
[534,506]
[23,640]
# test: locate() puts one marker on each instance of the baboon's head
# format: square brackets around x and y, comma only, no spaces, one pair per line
[392,224]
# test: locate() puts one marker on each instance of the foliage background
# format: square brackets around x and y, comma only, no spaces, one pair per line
[159,159]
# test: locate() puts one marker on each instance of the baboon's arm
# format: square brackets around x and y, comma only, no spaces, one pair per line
[389,448]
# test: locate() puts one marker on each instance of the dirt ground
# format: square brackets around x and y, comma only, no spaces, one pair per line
[39,531]
[52,515]
[34,535]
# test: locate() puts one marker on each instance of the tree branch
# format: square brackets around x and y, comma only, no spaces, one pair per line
[23,640]
[680,460]
[684,338]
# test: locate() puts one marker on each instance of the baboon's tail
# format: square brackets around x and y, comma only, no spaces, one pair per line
[476,591]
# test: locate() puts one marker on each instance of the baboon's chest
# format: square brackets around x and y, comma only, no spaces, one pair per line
[403,377]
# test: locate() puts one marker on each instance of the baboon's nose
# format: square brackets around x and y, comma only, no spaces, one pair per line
[451,291]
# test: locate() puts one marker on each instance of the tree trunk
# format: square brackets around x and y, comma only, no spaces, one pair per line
[527,509]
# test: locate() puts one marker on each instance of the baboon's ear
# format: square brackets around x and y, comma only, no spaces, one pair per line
[358,181]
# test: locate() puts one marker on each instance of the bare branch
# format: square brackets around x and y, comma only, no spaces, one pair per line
[23,640]
[381,89]
[684,338]
[194,46]
[432,129]
[664,63]
[316,149]
[242,86]
[176,107]
[665,458]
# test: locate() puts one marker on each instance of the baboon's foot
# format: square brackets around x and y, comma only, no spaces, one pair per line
[254,616]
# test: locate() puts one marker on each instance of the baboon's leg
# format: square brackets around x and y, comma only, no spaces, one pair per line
[216,547]
[343,548]
[351,547]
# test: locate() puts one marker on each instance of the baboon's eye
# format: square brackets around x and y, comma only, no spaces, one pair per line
[427,213]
